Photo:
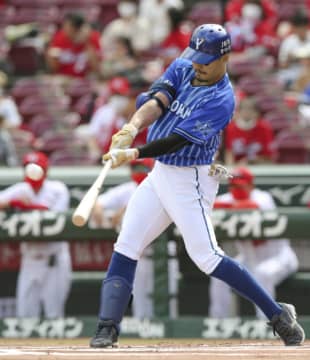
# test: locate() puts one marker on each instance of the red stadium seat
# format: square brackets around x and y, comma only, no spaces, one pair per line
[31,106]
[25,87]
[78,88]
[33,3]
[84,107]
[40,124]
[59,141]
[206,12]
[24,59]
[281,119]
[270,102]
[71,158]
[291,148]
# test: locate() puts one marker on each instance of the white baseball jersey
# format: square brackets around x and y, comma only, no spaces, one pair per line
[270,261]
[40,285]
[54,195]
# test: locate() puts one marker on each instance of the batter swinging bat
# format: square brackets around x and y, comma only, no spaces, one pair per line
[82,212]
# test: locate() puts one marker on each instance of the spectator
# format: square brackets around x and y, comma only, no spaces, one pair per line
[178,37]
[45,274]
[300,36]
[8,156]
[156,13]
[252,24]
[270,261]
[108,213]
[130,25]
[75,48]
[8,109]
[109,117]
[248,138]
[302,82]
[120,60]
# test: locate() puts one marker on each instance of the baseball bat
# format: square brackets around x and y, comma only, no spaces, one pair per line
[83,210]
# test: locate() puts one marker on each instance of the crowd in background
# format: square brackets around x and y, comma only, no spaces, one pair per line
[70,72]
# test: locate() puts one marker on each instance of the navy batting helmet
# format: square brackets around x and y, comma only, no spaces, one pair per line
[208,43]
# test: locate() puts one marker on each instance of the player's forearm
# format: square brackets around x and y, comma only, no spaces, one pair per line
[149,112]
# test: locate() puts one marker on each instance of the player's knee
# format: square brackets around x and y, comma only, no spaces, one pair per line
[208,263]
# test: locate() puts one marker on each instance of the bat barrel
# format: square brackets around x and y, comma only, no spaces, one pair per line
[83,211]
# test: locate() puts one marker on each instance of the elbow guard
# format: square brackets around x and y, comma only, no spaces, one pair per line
[142,99]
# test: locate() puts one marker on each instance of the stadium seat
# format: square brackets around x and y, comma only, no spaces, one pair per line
[259,84]
[31,106]
[33,3]
[90,12]
[78,88]
[281,119]
[84,107]
[22,137]
[291,147]
[66,157]
[269,102]
[40,124]
[240,67]
[24,59]
[25,87]
[59,141]
[206,12]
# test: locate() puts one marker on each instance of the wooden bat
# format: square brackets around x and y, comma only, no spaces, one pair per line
[83,210]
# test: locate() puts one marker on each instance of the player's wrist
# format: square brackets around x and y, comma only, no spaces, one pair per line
[132,129]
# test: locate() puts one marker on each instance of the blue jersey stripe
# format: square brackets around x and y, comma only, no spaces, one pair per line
[197,113]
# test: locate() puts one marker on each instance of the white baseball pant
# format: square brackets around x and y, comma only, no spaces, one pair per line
[183,195]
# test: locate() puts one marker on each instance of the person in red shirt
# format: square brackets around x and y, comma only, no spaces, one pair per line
[75,48]
[248,138]
[252,23]
[178,37]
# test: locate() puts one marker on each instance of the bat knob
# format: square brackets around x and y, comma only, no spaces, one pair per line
[78,220]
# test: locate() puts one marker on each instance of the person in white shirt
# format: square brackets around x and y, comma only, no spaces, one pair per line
[109,117]
[299,37]
[129,24]
[44,279]
[270,261]
[8,108]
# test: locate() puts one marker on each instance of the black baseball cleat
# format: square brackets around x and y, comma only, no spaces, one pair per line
[106,335]
[287,327]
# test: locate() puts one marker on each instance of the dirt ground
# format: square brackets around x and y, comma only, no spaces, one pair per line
[172,349]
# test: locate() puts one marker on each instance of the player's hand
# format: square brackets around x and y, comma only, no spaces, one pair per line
[120,156]
[124,137]
[219,172]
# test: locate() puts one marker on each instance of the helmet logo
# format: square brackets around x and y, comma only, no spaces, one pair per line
[226,46]
[198,43]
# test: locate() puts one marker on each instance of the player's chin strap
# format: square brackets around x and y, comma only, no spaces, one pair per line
[219,172]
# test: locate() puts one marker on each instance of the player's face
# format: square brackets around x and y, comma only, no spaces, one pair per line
[209,74]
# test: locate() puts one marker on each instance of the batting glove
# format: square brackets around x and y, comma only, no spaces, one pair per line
[220,172]
[124,137]
[120,156]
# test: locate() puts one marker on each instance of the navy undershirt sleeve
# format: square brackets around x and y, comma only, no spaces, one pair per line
[163,146]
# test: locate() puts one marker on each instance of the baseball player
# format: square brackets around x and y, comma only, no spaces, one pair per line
[185,109]
[270,261]
[45,274]
[108,213]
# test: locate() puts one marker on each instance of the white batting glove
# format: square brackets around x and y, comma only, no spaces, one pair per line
[124,137]
[120,156]
[220,172]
